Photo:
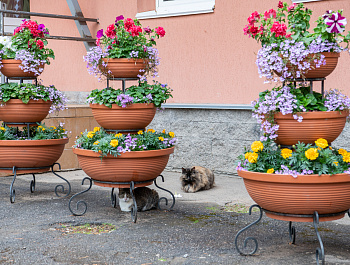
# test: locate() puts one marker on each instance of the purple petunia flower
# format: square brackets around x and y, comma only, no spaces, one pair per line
[121,17]
[99,34]
[335,23]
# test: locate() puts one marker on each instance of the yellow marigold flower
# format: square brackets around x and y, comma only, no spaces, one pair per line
[270,171]
[2,128]
[330,147]
[253,157]
[96,143]
[171,134]
[140,132]
[161,138]
[97,129]
[151,130]
[346,157]
[114,142]
[163,131]
[118,135]
[318,148]
[336,163]
[257,146]
[311,153]
[53,127]
[286,153]
[342,151]
[320,142]
[40,127]
[90,134]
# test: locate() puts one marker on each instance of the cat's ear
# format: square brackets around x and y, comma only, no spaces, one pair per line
[183,170]
[193,169]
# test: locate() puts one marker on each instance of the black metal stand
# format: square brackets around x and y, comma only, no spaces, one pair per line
[311,80]
[33,182]
[17,124]
[320,256]
[21,79]
[114,197]
[123,81]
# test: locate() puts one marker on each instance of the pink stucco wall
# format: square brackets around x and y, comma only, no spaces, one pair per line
[204,58]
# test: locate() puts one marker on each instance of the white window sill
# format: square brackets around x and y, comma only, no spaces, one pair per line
[304,1]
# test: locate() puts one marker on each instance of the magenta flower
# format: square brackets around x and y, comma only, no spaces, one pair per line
[335,23]
[121,17]
[99,34]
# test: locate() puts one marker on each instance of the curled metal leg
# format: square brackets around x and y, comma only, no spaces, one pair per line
[320,250]
[292,233]
[163,198]
[60,187]
[12,190]
[32,184]
[133,207]
[80,202]
[249,238]
[113,198]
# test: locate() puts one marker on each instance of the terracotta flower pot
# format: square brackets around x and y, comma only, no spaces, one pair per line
[316,124]
[124,67]
[131,166]
[15,110]
[299,196]
[132,117]
[322,71]
[10,68]
[30,153]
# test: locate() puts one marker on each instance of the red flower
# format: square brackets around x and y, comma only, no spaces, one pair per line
[254,30]
[291,8]
[18,29]
[110,32]
[98,42]
[160,31]
[279,29]
[40,44]
[280,4]
[128,24]
[270,14]
[253,17]
[135,31]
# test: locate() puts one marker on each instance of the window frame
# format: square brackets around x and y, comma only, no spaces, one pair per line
[304,1]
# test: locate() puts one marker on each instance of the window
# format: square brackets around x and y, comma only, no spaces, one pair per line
[166,8]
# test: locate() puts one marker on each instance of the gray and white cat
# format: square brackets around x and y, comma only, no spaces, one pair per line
[196,178]
[146,199]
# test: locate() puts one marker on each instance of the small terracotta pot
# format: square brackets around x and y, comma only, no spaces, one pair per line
[124,67]
[11,68]
[315,124]
[322,71]
[131,166]
[132,117]
[30,153]
[15,110]
[302,195]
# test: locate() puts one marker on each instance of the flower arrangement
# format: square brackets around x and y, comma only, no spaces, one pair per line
[105,143]
[156,93]
[125,39]
[289,49]
[290,99]
[304,159]
[28,45]
[41,132]
[25,92]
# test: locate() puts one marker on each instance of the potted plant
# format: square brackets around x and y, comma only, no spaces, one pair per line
[289,50]
[290,113]
[125,50]
[42,146]
[24,54]
[299,181]
[30,103]
[130,110]
[110,158]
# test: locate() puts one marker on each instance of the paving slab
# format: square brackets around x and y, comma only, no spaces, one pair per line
[39,228]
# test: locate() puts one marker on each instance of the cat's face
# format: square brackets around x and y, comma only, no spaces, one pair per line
[188,174]
[124,195]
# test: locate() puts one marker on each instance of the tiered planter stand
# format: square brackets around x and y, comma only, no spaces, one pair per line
[128,174]
[301,199]
[27,166]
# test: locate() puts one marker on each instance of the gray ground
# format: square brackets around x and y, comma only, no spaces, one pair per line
[39,228]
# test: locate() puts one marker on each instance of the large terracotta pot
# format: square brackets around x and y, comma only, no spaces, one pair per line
[302,195]
[331,59]
[15,110]
[124,67]
[316,124]
[131,166]
[132,117]
[10,68]
[30,153]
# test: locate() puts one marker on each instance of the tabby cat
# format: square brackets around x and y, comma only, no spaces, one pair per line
[196,178]
[146,199]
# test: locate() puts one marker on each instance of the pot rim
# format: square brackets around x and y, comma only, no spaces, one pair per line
[33,142]
[19,101]
[314,114]
[124,60]
[132,154]
[131,106]
[300,179]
